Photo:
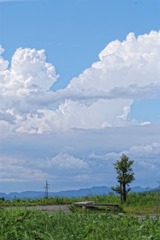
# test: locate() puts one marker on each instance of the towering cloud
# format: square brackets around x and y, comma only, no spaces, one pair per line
[131,64]
[29,76]
[126,71]
[100,97]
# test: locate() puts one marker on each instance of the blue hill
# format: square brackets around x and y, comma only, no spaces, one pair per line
[103,190]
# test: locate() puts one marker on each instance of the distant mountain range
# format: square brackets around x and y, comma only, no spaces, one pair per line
[70,193]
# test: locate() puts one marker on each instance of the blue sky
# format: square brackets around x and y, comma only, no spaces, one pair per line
[73,32]
[76,77]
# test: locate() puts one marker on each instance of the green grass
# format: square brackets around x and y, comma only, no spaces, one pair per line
[137,203]
[34,202]
[18,224]
[143,203]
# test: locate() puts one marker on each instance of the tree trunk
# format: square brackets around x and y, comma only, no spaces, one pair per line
[121,193]
[124,192]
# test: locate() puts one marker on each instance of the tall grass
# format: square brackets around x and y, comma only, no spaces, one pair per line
[137,203]
[18,224]
[143,203]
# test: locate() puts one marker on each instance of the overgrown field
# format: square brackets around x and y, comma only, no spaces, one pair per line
[22,224]
[137,203]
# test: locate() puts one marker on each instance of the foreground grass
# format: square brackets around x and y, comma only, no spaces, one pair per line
[18,224]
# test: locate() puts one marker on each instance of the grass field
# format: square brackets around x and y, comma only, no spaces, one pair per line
[137,203]
[19,223]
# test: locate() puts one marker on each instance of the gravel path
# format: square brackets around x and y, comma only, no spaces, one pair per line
[66,208]
[51,208]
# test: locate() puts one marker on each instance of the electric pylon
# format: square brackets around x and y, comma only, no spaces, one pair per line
[46,189]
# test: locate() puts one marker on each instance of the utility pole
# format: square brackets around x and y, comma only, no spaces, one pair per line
[46,189]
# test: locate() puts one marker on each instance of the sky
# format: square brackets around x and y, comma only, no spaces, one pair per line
[79,87]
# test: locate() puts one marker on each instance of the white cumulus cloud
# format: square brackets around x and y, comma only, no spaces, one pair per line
[29,74]
[103,94]
[100,97]
[133,62]
[66,161]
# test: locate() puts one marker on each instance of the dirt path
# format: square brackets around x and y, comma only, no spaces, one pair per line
[66,208]
[51,208]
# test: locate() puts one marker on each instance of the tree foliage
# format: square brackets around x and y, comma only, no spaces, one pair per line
[125,176]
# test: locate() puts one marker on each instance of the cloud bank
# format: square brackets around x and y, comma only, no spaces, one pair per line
[126,71]
[96,105]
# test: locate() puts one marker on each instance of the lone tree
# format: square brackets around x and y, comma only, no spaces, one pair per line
[125,176]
